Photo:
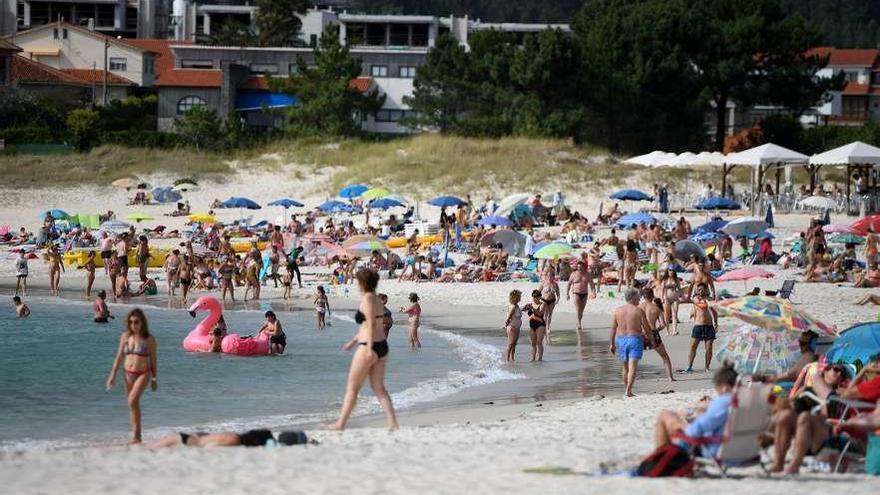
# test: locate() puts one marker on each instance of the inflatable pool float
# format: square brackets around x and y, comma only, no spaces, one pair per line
[79,256]
[245,246]
[399,242]
[199,339]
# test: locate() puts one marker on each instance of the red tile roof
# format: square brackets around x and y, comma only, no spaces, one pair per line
[191,78]
[361,84]
[854,57]
[819,51]
[256,82]
[162,48]
[97,76]
[96,34]
[852,88]
[31,71]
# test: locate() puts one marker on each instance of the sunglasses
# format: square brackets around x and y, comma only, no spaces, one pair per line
[132,321]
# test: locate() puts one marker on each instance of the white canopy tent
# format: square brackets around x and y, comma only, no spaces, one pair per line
[711,158]
[685,159]
[762,158]
[856,155]
[651,159]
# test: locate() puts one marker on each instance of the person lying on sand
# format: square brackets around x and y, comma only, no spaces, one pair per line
[250,438]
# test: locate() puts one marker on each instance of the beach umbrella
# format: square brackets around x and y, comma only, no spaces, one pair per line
[717,203]
[553,251]
[762,235]
[634,219]
[138,217]
[847,239]
[317,238]
[754,350]
[867,224]
[285,203]
[631,195]
[385,203]
[125,182]
[510,203]
[446,201]
[344,208]
[202,218]
[818,203]
[495,220]
[328,205]
[856,345]
[838,228]
[705,237]
[115,226]
[56,214]
[768,218]
[685,249]
[166,194]
[746,273]
[245,203]
[185,187]
[711,227]
[648,160]
[771,313]
[745,226]
[375,193]
[353,191]
[512,242]
[362,245]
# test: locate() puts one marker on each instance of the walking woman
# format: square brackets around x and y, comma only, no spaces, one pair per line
[143,257]
[56,266]
[550,295]
[536,310]
[137,355]
[579,285]
[371,352]
[513,323]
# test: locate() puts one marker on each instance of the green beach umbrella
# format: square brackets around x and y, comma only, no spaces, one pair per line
[553,251]
[138,217]
[375,193]
[847,239]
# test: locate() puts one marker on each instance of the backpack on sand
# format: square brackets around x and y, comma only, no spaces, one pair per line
[667,460]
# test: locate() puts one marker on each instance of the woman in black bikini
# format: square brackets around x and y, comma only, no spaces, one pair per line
[537,324]
[137,348]
[371,354]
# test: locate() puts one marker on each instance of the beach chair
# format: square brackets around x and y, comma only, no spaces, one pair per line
[784,292]
[851,446]
[748,419]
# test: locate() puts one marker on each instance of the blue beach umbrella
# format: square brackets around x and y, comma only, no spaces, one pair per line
[286,203]
[345,208]
[856,345]
[240,203]
[328,205]
[166,194]
[762,235]
[710,227]
[445,201]
[495,220]
[718,203]
[631,195]
[385,203]
[634,219]
[56,214]
[353,191]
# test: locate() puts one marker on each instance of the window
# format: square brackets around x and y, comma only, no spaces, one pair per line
[149,65]
[264,68]
[55,33]
[376,34]
[19,13]
[379,70]
[40,14]
[106,17]
[355,34]
[64,34]
[420,34]
[196,64]
[313,40]
[131,18]
[407,71]
[398,35]
[119,64]
[187,103]
[392,115]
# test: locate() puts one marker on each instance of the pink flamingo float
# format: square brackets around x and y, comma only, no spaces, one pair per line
[199,339]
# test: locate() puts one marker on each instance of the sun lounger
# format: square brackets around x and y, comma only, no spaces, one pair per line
[748,418]
[850,445]
[784,292]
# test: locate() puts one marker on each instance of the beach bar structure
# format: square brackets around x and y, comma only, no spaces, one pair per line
[763,158]
[857,157]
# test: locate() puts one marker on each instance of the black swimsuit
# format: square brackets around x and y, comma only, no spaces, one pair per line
[379,347]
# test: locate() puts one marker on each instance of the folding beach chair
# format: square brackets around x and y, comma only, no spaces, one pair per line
[784,292]
[749,417]
[850,445]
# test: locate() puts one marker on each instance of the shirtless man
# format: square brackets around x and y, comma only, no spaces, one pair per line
[654,314]
[705,326]
[172,269]
[121,248]
[21,309]
[102,313]
[652,241]
[579,285]
[629,332]
[702,276]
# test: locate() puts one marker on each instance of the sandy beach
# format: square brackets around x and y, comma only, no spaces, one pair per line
[561,426]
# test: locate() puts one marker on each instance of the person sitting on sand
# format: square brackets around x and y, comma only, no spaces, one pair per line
[102,312]
[148,287]
[250,438]
[21,309]
[709,423]
[629,332]
[869,278]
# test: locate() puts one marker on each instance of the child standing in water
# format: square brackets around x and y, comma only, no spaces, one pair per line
[322,306]
[415,312]
[513,323]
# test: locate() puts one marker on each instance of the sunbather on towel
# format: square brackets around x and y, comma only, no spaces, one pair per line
[672,425]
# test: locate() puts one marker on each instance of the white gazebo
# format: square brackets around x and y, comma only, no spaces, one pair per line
[652,159]
[856,155]
[762,158]
[685,159]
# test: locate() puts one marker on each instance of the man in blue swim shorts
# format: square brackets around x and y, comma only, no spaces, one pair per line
[628,335]
[705,326]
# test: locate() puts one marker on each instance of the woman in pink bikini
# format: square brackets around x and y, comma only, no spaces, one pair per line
[513,323]
[415,312]
[137,348]
[579,285]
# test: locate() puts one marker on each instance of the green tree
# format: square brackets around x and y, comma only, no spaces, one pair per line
[277,23]
[439,93]
[83,125]
[200,127]
[328,104]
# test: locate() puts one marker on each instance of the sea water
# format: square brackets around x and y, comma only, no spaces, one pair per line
[54,364]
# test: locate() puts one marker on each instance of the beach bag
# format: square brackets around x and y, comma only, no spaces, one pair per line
[872,459]
[292,438]
[666,461]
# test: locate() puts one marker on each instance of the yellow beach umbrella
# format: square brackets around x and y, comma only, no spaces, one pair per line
[375,193]
[202,218]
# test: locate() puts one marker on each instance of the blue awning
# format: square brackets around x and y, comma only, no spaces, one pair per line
[257,101]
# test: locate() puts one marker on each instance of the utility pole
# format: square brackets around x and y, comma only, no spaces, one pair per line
[106,47]
[94,70]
